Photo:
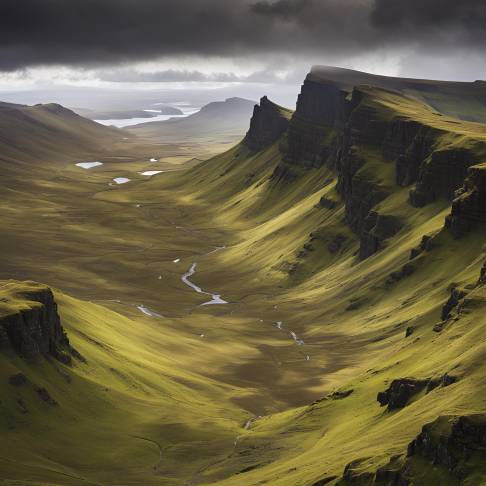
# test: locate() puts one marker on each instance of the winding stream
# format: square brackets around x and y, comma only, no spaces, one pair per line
[147,311]
[215,298]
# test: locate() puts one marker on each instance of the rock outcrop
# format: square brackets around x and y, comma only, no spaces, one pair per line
[268,123]
[327,203]
[355,134]
[409,143]
[377,228]
[402,390]
[31,325]
[462,300]
[324,481]
[457,294]
[426,244]
[449,450]
[469,206]
[404,272]
[482,275]
[354,475]
[441,175]
[448,441]
[331,126]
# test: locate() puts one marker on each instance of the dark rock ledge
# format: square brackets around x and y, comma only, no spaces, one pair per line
[34,328]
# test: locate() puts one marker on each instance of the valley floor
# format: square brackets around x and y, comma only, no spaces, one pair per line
[171,391]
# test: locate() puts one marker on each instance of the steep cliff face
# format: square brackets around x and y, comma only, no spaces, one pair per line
[360,188]
[268,123]
[321,110]
[378,141]
[469,207]
[409,143]
[350,134]
[441,175]
[30,323]
[450,450]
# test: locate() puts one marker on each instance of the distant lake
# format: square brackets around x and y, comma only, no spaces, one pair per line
[121,180]
[128,122]
[88,165]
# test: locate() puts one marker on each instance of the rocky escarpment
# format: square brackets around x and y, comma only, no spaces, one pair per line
[30,323]
[340,129]
[449,450]
[359,187]
[441,175]
[374,145]
[463,437]
[268,123]
[321,111]
[469,206]
[408,143]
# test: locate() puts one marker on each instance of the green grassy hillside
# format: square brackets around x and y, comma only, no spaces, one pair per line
[464,100]
[278,386]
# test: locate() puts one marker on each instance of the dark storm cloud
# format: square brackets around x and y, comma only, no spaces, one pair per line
[98,32]
[285,9]
[462,14]
[434,21]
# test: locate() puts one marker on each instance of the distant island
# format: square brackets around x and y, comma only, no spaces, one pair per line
[123,114]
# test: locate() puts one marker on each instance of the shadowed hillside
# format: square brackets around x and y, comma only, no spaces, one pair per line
[43,132]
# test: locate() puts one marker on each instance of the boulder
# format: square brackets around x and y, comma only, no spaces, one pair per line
[409,331]
[400,391]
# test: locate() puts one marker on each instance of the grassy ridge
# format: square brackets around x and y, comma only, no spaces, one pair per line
[167,400]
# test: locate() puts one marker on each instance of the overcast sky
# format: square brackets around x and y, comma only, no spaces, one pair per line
[247,47]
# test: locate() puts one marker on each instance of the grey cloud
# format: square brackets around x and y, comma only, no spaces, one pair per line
[108,32]
[184,76]
[286,9]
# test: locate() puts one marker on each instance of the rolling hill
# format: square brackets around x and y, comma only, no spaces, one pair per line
[49,131]
[224,121]
[342,250]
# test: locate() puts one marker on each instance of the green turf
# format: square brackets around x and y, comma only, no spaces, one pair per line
[165,400]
